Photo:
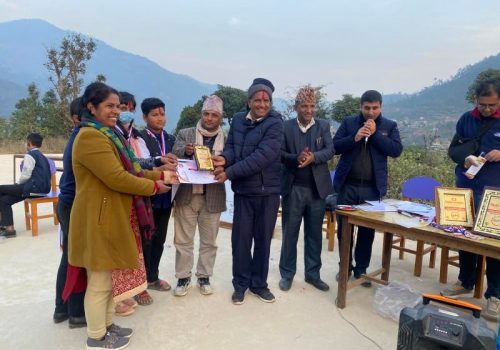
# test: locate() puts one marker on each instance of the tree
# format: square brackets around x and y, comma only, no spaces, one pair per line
[50,122]
[348,105]
[234,100]
[66,66]
[323,107]
[489,74]
[189,116]
[26,118]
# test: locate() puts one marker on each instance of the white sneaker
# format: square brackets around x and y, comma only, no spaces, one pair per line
[492,311]
[205,287]
[182,287]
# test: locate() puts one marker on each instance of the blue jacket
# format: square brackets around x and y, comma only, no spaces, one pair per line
[67,185]
[252,153]
[39,182]
[489,175]
[385,142]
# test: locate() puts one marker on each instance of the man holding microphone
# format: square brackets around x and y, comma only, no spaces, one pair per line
[364,142]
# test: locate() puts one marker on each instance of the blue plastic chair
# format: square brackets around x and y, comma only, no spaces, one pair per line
[418,187]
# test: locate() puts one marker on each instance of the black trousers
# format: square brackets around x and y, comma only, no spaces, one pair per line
[253,222]
[353,195]
[9,194]
[74,305]
[153,249]
[302,202]
[468,264]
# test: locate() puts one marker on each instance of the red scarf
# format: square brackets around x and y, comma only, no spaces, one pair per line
[476,114]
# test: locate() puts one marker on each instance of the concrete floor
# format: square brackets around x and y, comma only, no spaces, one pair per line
[303,318]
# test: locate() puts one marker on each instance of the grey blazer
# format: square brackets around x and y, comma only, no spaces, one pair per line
[215,194]
[321,144]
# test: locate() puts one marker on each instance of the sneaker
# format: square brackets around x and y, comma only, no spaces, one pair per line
[265,295]
[492,311]
[8,234]
[110,341]
[120,331]
[456,290]
[183,285]
[238,298]
[205,287]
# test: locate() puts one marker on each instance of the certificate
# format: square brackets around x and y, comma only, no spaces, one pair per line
[203,158]
[454,206]
[488,217]
[188,173]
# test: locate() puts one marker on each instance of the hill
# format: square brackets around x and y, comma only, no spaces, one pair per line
[23,53]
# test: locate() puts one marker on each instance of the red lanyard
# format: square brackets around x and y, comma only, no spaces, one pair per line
[160,144]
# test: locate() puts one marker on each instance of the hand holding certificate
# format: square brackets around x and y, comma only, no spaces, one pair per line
[188,172]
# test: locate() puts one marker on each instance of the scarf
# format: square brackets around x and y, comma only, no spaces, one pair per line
[476,114]
[303,128]
[141,204]
[217,149]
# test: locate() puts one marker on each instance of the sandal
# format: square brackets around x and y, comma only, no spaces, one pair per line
[143,298]
[122,309]
[130,302]
[160,285]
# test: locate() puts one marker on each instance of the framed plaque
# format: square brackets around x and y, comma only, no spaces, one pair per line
[203,158]
[488,217]
[454,206]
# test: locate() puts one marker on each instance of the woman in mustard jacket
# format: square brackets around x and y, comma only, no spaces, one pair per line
[110,216]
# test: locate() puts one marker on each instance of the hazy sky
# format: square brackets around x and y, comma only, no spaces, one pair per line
[349,46]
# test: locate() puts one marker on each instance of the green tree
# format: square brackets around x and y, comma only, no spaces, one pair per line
[348,105]
[189,116]
[323,107]
[50,120]
[489,74]
[234,100]
[27,116]
[4,128]
[66,66]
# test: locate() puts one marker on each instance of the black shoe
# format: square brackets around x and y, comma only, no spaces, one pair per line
[60,317]
[265,295]
[319,284]
[366,283]
[285,284]
[8,234]
[238,298]
[77,322]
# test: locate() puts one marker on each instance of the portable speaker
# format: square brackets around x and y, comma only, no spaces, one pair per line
[438,326]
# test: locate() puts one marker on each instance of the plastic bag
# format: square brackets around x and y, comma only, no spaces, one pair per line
[391,299]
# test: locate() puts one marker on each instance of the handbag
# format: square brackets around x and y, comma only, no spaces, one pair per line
[462,147]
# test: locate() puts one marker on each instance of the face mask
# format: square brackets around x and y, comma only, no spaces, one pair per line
[126,117]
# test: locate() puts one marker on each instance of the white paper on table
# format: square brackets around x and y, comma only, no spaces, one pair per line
[188,173]
[376,206]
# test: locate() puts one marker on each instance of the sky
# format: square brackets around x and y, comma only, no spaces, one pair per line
[345,46]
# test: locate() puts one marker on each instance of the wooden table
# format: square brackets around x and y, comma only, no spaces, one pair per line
[386,223]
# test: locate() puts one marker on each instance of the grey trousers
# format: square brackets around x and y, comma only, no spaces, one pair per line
[187,217]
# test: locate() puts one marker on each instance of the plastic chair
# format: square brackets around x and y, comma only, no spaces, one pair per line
[330,220]
[31,204]
[419,187]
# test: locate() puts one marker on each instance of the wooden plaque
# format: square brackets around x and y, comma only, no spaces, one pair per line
[488,217]
[454,206]
[203,158]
